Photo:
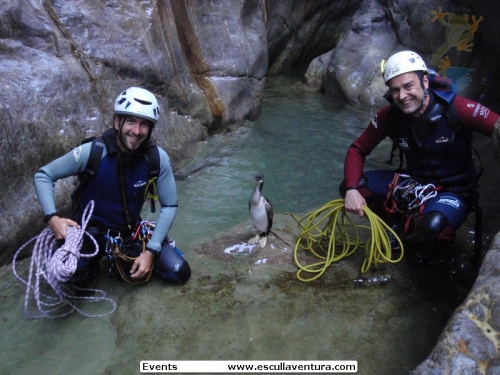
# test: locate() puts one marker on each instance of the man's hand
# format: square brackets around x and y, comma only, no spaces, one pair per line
[59,226]
[354,202]
[142,265]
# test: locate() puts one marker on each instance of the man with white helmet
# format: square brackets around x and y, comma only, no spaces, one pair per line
[119,186]
[432,127]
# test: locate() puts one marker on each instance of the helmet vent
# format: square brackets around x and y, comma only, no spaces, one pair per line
[402,62]
[144,102]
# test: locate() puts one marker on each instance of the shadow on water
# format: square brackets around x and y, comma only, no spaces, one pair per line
[241,307]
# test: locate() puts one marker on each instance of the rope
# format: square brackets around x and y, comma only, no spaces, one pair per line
[115,248]
[54,266]
[324,231]
[408,195]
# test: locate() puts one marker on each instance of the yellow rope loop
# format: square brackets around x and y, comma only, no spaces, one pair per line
[151,190]
[331,235]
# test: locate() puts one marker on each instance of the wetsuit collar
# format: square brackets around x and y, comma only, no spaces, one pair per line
[436,109]
[109,138]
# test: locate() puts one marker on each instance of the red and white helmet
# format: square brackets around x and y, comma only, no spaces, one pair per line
[138,102]
[402,62]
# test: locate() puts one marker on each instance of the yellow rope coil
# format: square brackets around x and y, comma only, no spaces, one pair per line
[331,235]
[151,191]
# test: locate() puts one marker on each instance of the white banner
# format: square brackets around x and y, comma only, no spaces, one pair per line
[238,367]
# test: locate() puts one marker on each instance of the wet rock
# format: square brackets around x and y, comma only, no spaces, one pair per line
[315,74]
[351,73]
[470,341]
[299,30]
[233,246]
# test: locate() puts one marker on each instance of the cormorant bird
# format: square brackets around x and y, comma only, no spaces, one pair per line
[261,212]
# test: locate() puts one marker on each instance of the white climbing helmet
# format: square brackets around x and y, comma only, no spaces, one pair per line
[402,62]
[138,102]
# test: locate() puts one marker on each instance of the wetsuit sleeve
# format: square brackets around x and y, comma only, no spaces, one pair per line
[167,196]
[362,146]
[67,165]
[476,116]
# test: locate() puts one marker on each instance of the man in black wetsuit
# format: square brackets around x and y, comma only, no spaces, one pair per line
[433,127]
[119,188]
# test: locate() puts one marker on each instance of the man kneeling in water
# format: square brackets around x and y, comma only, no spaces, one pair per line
[433,129]
[119,187]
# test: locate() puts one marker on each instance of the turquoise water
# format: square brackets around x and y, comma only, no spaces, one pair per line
[298,143]
[234,309]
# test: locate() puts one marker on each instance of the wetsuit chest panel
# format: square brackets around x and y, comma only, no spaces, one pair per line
[436,155]
[107,192]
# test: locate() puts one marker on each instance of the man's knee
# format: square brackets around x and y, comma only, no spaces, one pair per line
[172,267]
[179,274]
[434,228]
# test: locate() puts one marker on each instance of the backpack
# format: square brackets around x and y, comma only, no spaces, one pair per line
[95,156]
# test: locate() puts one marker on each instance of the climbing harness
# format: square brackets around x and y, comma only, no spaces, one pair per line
[406,195]
[54,267]
[122,254]
[331,235]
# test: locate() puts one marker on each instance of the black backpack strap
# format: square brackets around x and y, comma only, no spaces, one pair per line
[390,127]
[154,162]
[95,156]
[154,172]
[455,125]
[453,120]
